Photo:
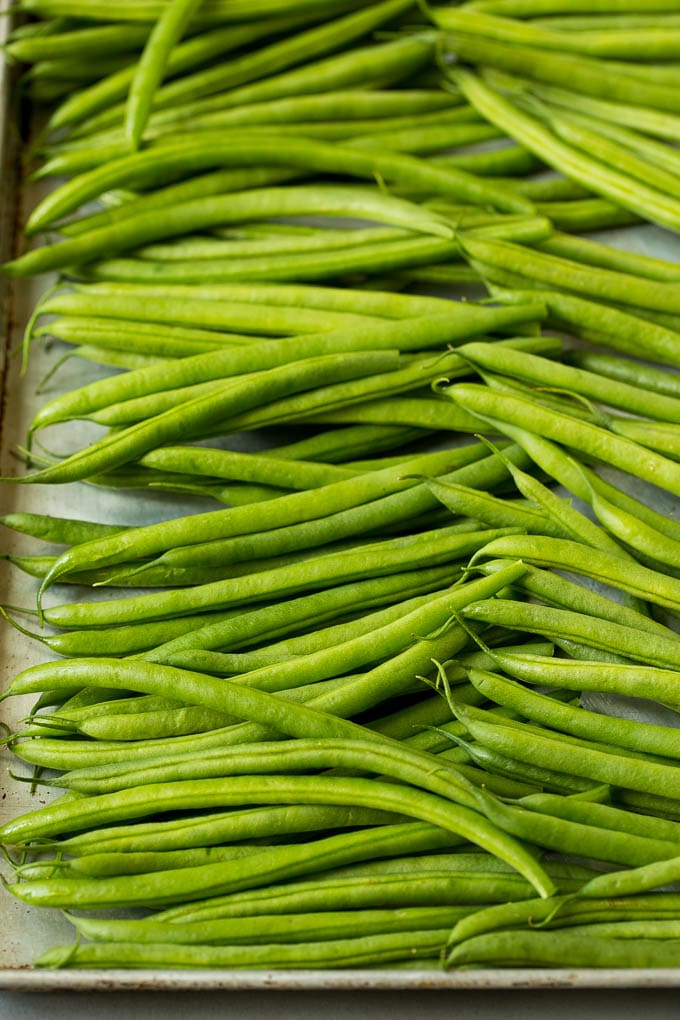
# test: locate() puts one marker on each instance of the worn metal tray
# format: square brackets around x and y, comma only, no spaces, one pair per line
[26,932]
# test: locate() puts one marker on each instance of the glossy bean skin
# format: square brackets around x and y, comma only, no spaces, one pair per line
[398,335]
[188,882]
[227,523]
[151,67]
[655,740]
[555,949]
[141,168]
[411,552]
[298,927]
[581,436]
[599,634]
[371,950]
[643,200]
[197,214]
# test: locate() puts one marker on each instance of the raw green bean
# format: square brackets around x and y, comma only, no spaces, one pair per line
[594,761]
[610,327]
[607,567]
[209,829]
[189,53]
[296,928]
[403,335]
[576,838]
[652,650]
[195,214]
[644,42]
[223,524]
[161,887]
[637,736]
[295,64]
[152,63]
[379,558]
[541,372]
[579,435]
[369,950]
[159,162]
[602,178]
[605,815]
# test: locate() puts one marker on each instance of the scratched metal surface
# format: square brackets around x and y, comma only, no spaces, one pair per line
[27,932]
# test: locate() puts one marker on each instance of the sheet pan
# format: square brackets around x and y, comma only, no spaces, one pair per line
[26,932]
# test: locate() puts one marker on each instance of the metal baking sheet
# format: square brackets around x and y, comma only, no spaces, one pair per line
[27,932]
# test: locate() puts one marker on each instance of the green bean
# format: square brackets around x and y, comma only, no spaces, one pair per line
[187,54]
[76,669]
[83,42]
[577,838]
[562,911]
[622,145]
[424,887]
[296,928]
[296,63]
[306,298]
[541,372]
[652,650]
[156,408]
[61,530]
[151,66]
[411,552]
[305,44]
[213,365]
[265,758]
[151,308]
[336,446]
[106,864]
[149,10]
[644,42]
[160,887]
[236,628]
[371,258]
[206,248]
[350,651]
[579,435]
[607,285]
[143,337]
[622,330]
[235,521]
[369,950]
[216,828]
[658,380]
[596,761]
[154,165]
[558,591]
[580,73]
[631,507]
[653,122]
[586,214]
[191,418]
[643,681]
[637,736]
[645,201]
[328,265]
[491,510]
[597,254]
[403,335]
[602,565]
[236,207]
[534,8]
[605,815]
[561,948]
[325,637]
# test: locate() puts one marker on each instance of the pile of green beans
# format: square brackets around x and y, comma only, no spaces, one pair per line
[335,292]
